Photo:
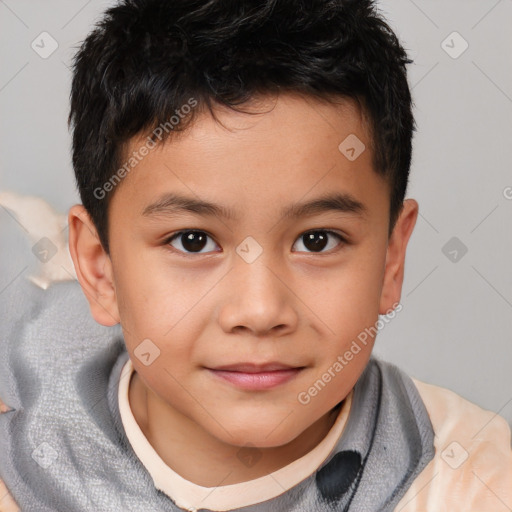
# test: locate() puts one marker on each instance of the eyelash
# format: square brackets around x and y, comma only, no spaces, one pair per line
[170,238]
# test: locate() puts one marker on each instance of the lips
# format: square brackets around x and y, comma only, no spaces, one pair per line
[256,377]
[255,368]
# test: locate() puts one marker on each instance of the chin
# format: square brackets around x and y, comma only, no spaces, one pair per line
[256,435]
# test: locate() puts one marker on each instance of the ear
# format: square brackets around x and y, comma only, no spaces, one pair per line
[93,267]
[395,257]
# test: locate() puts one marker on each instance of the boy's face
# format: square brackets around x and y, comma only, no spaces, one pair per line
[256,290]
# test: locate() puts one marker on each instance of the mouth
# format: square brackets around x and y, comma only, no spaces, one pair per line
[252,376]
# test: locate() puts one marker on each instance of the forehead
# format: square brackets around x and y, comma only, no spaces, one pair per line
[278,148]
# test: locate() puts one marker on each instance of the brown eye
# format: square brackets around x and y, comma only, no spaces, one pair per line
[191,241]
[318,240]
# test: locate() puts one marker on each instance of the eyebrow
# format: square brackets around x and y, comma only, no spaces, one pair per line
[174,204]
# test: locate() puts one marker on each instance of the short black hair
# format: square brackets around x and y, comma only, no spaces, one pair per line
[146,59]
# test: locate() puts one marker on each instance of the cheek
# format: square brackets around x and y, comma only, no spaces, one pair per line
[350,295]
[150,301]
[162,303]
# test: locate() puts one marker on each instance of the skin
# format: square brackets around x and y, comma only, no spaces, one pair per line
[291,304]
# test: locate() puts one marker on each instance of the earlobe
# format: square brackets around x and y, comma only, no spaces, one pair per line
[395,257]
[93,267]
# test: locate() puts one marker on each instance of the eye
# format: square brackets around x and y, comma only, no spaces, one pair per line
[191,241]
[194,241]
[317,240]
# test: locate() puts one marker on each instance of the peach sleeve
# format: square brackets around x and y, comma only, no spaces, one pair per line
[472,467]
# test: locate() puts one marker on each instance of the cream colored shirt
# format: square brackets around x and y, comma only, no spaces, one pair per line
[190,496]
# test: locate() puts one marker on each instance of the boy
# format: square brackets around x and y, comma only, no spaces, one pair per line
[242,170]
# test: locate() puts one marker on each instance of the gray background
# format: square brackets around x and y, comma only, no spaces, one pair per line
[456,323]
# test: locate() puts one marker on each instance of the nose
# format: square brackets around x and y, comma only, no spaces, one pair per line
[259,299]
